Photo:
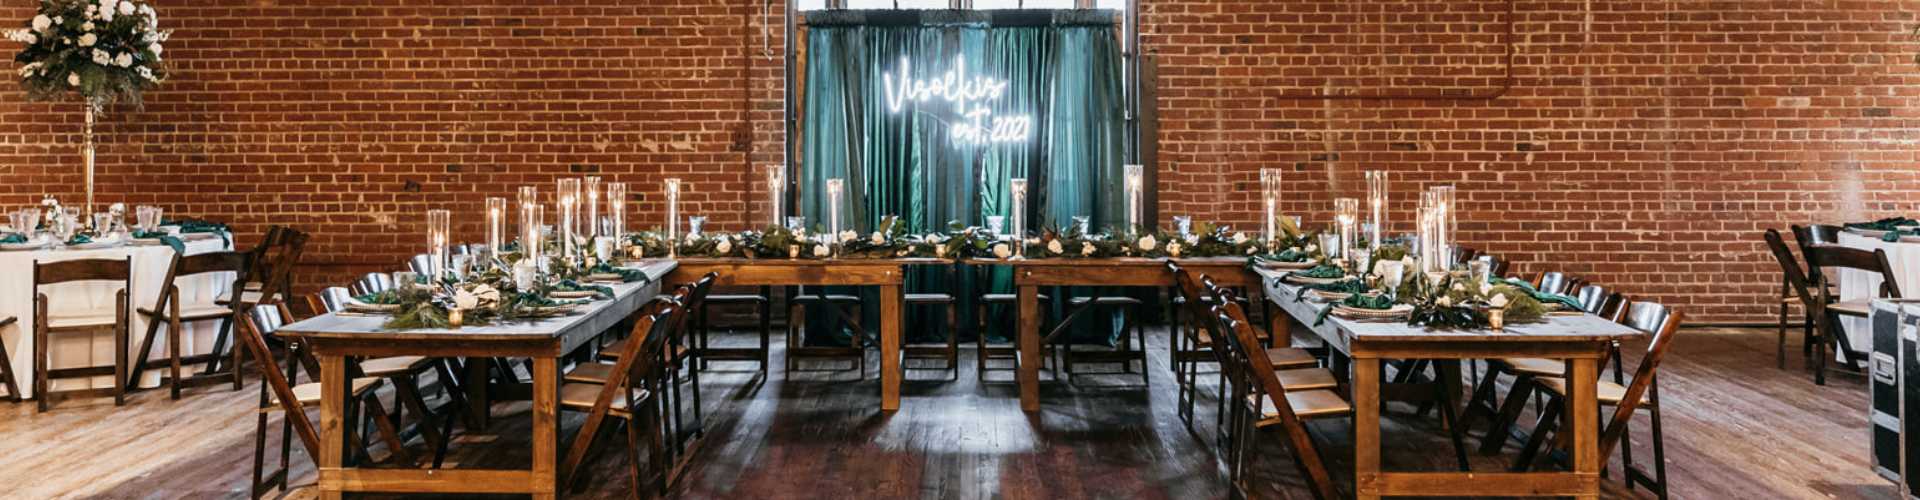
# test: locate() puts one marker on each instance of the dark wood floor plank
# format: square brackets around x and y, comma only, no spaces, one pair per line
[1736,428]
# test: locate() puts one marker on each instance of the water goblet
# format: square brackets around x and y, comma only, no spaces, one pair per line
[1080,223]
[796,223]
[693,225]
[997,224]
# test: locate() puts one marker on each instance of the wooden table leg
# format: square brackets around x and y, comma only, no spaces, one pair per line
[1583,420]
[546,426]
[1449,372]
[1366,427]
[333,409]
[890,317]
[1029,334]
[478,377]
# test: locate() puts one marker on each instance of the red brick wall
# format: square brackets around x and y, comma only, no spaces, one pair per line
[1642,143]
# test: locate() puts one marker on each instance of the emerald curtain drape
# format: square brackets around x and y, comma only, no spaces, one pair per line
[1067,78]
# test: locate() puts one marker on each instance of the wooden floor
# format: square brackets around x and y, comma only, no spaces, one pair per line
[1736,428]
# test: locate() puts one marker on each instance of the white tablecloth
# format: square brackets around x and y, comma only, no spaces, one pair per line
[1903,255]
[80,349]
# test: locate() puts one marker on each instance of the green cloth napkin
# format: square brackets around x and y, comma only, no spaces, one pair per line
[79,239]
[574,286]
[1546,298]
[13,238]
[1887,224]
[203,226]
[179,247]
[1379,302]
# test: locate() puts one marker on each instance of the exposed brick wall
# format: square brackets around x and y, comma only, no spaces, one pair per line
[1642,143]
[1645,144]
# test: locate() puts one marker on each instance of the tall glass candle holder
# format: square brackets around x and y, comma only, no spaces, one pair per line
[591,224]
[439,225]
[1018,189]
[1270,204]
[1445,215]
[776,179]
[617,211]
[496,225]
[529,197]
[533,236]
[567,203]
[835,189]
[673,216]
[1136,187]
[1428,239]
[1376,207]
[1346,213]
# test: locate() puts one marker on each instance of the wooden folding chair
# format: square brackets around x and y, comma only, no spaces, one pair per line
[1274,405]
[630,389]
[282,392]
[1299,365]
[1642,393]
[1506,412]
[6,365]
[172,310]
[1828,308]
[46,323]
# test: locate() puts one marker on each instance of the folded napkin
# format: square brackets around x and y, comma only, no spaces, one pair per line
[79,239]
[574,286]
[626,275]
[1320,271]
[202,226]
[179,247]
[1886,224]
[1544,297]
[13,238]
[1379,302]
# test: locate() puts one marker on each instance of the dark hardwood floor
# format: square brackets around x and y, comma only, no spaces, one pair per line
[1736,428]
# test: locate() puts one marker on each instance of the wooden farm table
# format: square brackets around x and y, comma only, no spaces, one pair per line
[335,337]
[887,274]
[1031,274]
[1581,340]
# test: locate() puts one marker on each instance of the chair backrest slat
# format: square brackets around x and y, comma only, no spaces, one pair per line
[65,271]
[1838,257]
[330,299]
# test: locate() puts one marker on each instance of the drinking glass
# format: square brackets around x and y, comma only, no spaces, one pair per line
[148,217]
[693,225]
[1184,224]
[103,223]
[32,216]
[1330,244]
[997,224]
[18,222]
[797,223]
[1080,222]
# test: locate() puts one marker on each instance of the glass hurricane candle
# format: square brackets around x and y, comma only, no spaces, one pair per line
[1018,189]
[567,203]
[1445,214]
[591,224]
[439,224]
[1376,207]
[532,217]
[1427,241]
[1135,188]
[776,185]
[835,189]
[496,225]
[1270,203]
[617,211]
[1346,213]
[673,216]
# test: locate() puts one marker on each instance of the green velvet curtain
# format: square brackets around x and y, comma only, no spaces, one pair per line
[905,163]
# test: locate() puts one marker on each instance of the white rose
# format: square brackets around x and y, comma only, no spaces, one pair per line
[41,23]
[486,293]
[73,79]
[1407,261]
[1173,249]
[1444,302]
[465,300]
[849,235]
[725,247]
[107,8]
[1000,250]
[821,251]
[88,40]
[691,239]
[101,57]
[1147,243]
[30,39]
[123,60]
[1055,247]
[1086,248]
[877,238]
[126,8]
[1498,301]
[144,72]
[86,26]
[1239,238]
[59,20]
[1459,287]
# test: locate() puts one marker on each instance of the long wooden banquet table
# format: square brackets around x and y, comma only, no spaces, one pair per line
[336,337]
[886,274]
[1582,340]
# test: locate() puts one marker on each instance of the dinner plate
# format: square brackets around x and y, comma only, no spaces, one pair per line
[146,242]
[97,244]
[1274,264]
[1303,280]
[607,277]
[574,294]
[1329,296]
[362,307]
[1397,311]
[20,247]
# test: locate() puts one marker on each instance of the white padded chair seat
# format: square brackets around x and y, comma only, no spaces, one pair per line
[393,365]
[1007,297]
[929,298]
[81,319]
[309,393]
[1105,301]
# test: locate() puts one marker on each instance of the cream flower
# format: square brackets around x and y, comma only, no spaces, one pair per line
[88,40]
[73,79]
[1147,243]
[935,238]
[123,60]
[86,26]
[1239,238]
[1086,248]
[877,238]
[155,49]
[100,57]
[1253,250]
[144,72]
[724,247]
[1055,247]
[41,23]
[1443,302]
[1002,251]
[1173,249]
[849,235]
[1498,301]
[463,299]
[940,251]
[126,8]
[1311,248]
[821,251]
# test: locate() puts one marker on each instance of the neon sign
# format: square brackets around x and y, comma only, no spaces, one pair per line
[969,95]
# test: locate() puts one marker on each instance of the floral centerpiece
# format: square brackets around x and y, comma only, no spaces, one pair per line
[105,52]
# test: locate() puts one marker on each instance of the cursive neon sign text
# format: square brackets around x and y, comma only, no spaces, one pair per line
[968,94]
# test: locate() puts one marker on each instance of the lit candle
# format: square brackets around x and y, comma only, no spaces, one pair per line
[567,201]
[496,225]
[1444,210]
[1377,206]
[776,189]
[1135,185]
[1270,198]
[1018,189]
[438,225]
[617,211]
[835,189]
[673,216]
[1429,254]
[531,235]
[1346,212]
[591,224]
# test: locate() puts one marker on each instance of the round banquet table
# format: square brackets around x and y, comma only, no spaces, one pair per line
[1903,255]
[73,349]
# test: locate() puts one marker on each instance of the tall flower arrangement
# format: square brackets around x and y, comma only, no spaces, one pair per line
[105,51]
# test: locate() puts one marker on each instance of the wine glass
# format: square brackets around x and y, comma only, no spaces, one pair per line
[693,225]
[1080,223]
[796,223]
[997,224]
